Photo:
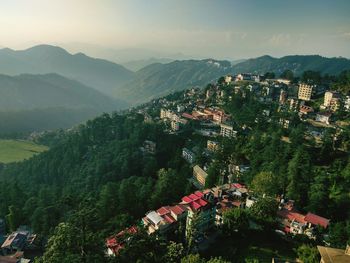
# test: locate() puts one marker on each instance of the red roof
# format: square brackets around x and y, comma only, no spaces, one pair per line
[187,115]
[178,209]
[237,185]
[194,197]
[114,244]
[186,199]
[169,219]
[163,210]
[194,205]
[202,202]
[199,194]
[292,215]
[317,220]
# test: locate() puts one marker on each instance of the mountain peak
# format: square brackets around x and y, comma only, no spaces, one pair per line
[44,48]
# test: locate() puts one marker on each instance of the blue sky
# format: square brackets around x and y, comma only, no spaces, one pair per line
[200,28]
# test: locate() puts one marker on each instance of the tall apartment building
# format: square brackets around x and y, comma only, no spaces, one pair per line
[227,130]
[305,91]
[199,175]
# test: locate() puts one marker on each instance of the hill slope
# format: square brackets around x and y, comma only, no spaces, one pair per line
[298,64]
[160,79]
[100,74]
[40,102]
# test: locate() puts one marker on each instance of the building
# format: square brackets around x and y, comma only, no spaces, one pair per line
[283,96]
[212,146]
[116,242]
[227,130]
[14,242]
[347,103]
[304,110]
[164,219]
[199,175]
[200,212]
[334,255]
[188,155]
[323,117]
[228,79]
[305,91]
[328,96]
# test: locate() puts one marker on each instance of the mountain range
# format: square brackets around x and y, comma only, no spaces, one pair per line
[48,76]
[103,75]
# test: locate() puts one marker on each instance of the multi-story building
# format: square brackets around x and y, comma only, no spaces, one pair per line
[201,213]
[164,218]
[305,91]
[334,255]
[328,96]
[200,175]
[227,130]
[188,155]
[283,96]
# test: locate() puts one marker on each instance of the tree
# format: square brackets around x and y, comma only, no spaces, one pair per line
[175,251]
[269,75]
[299,176]
[192,259]
[265,183]
[339,234]
[264,212]
[236,219]
[287,74]
[308,254]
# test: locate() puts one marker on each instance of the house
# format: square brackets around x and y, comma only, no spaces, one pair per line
[334,255]
[15,242]
[164,218]
[323,117]
[116,242]
[329,96]
[212,146]
[305,91]
[200,175]
[188,155]
[200,212]
[303,109]
[227,130]
[315,220]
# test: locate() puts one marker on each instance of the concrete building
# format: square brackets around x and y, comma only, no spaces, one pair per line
[227,130]
[334,255]
[199,175]
[305,91]
[188,155]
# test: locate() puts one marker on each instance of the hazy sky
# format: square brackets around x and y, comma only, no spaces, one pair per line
[201,28]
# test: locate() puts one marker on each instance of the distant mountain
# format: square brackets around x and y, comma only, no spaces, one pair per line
[160,79]
[39,102]
[100,74]
[298,64]
[25,92]
[136,65]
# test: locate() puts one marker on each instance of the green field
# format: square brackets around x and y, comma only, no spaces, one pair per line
[18,150]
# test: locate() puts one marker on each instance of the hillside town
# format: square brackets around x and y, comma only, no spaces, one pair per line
[204,111]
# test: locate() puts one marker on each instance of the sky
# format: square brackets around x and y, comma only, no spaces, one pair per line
[222,29]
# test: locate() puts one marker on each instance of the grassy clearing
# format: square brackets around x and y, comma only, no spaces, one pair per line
[18,150]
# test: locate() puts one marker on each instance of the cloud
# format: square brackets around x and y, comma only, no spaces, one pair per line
[280,40]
